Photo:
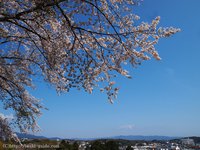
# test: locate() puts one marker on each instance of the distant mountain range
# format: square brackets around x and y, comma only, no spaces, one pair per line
[146,138]
[129,137]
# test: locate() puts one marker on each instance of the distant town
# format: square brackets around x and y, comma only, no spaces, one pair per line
[187,143]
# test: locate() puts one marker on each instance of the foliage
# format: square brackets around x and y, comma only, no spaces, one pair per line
[65,145]
[111,145]
[102,145]
[75,146]
[129,148]
[97,145]
[78,44]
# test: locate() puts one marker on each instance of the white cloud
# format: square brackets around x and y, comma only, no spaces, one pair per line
[128,127]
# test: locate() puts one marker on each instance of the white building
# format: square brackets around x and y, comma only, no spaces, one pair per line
[187,141]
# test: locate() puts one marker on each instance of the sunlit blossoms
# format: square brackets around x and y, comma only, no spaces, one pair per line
[80,44]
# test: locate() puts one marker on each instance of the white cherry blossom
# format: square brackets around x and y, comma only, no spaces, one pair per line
[80,44]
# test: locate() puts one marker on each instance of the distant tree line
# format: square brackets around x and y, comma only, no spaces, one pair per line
[95,145]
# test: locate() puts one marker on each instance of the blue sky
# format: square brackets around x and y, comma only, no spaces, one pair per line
[163,98]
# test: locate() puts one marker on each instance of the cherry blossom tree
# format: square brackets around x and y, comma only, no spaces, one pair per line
[80,44]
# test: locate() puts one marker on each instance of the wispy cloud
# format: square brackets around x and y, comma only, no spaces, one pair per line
[128,127]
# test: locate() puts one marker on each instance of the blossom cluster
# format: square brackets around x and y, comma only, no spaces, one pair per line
[79,44]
